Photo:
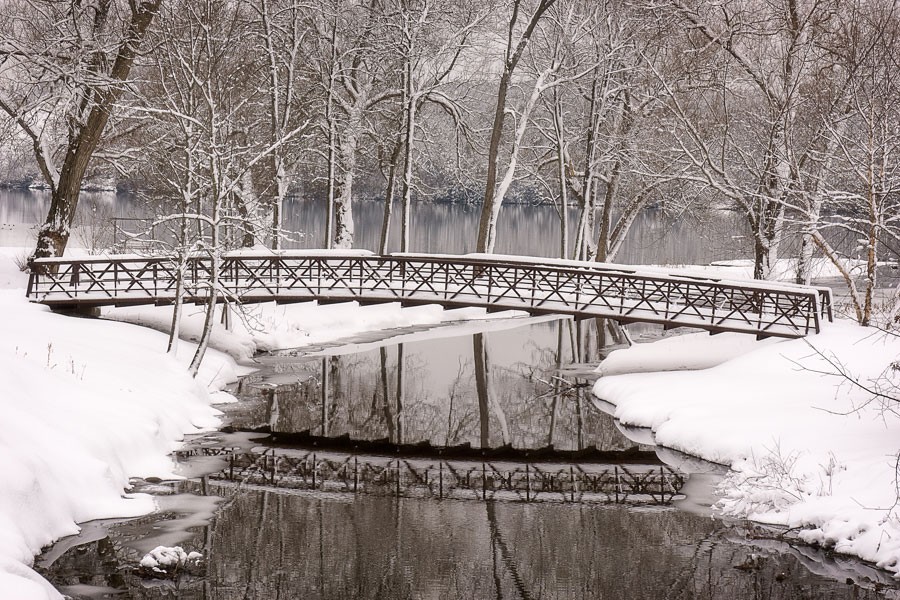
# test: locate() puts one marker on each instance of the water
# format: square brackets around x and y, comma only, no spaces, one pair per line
[266,545]
[444,228]
[263,542]
[417,387]
[353,390]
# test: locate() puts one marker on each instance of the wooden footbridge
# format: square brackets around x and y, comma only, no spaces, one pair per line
[536,286]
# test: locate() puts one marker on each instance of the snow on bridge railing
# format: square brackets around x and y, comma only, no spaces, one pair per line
[538,286]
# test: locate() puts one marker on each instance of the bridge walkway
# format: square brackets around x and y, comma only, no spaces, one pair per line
[537,286]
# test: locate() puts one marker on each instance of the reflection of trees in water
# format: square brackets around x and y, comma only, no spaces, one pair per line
[395,393]
[266,544]
[405,548]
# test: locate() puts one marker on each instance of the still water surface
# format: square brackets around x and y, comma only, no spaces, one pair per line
[443,228]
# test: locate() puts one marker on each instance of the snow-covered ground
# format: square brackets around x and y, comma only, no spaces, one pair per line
[807,448]
[87,404]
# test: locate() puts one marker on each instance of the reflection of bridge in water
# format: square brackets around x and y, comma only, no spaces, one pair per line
[582,290]
[632,483]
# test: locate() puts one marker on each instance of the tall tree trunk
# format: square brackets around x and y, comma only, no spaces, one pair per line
[410,121]
[209,320]
[609,199]
[332,141]
[343,213]
[490,210]
[390,188]
[53,236]
[559,128]
[175,329]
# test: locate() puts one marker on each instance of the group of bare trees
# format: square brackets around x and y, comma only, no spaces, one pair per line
[785,111]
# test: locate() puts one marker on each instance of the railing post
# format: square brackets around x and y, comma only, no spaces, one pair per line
[572,481]
[662,485]
[616,471]
[527,483]
[274,468]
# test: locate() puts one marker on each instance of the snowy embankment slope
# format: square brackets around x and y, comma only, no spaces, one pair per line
[85,405]
[269,326]
[807,448]
[89,403]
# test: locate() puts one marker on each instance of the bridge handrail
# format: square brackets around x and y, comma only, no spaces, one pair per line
[553,265]
[532,284]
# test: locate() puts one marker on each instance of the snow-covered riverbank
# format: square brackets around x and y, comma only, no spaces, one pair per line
[87,404]
[808,448]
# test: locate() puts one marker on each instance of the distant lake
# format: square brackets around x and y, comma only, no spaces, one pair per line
[655,238]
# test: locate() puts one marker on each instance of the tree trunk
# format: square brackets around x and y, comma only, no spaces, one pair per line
[175,330]
[53,236]
[490,210]
[278,202]
[559,128]
[603,238]
[208,322]
[407,174]
[389,199]
[343,213]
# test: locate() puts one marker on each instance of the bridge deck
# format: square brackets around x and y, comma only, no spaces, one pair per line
[582,290]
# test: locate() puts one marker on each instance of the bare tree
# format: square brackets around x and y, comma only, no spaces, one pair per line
[431,43]
[737,123]
[204,146]
[519,30]
[282,31]
[864,189]
[64,66]
[350,66]
[598,128]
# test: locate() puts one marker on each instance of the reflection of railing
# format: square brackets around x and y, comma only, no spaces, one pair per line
[582,290]
[449,479]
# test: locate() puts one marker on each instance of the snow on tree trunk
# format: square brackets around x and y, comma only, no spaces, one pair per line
[53,236]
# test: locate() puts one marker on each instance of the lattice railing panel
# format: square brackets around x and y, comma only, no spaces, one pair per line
[450,479]
[579,289]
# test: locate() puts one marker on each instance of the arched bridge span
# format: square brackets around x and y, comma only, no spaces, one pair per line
[537,286]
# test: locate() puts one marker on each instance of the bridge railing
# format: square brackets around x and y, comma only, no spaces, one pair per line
[578,289]
[443,479]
